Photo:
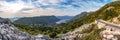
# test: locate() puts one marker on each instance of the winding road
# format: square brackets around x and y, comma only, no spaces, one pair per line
[109,24]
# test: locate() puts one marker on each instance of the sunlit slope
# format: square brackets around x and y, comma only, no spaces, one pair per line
[107,12]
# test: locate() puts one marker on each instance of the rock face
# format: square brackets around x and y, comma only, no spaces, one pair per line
[75,35]
[112,31]
[9,32]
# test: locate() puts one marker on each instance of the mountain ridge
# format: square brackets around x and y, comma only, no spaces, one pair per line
[107,12]
[47,20]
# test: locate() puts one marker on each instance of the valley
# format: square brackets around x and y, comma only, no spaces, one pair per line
[102,24]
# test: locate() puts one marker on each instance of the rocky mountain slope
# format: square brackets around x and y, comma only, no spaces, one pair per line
[106,13]
[9,32]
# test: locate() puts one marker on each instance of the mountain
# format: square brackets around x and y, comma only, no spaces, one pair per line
[82,14]
[9,32]
[37,20]
[14,19]
[64,19]
[106,13]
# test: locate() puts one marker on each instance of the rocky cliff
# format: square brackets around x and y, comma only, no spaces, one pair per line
[9,32]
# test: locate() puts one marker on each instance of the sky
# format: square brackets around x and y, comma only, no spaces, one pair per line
[31,8]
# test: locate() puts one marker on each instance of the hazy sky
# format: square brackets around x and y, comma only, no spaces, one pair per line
[29,8]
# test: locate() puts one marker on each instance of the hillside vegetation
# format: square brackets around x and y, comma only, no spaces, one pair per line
[107,12]
[46,20]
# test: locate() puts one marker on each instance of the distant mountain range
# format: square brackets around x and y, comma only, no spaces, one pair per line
[65,17]
[14,19]
[82,14]
[47,20]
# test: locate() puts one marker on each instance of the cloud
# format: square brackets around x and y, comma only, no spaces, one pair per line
[9,9]
[14,6]
[30,8]
[39,12]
